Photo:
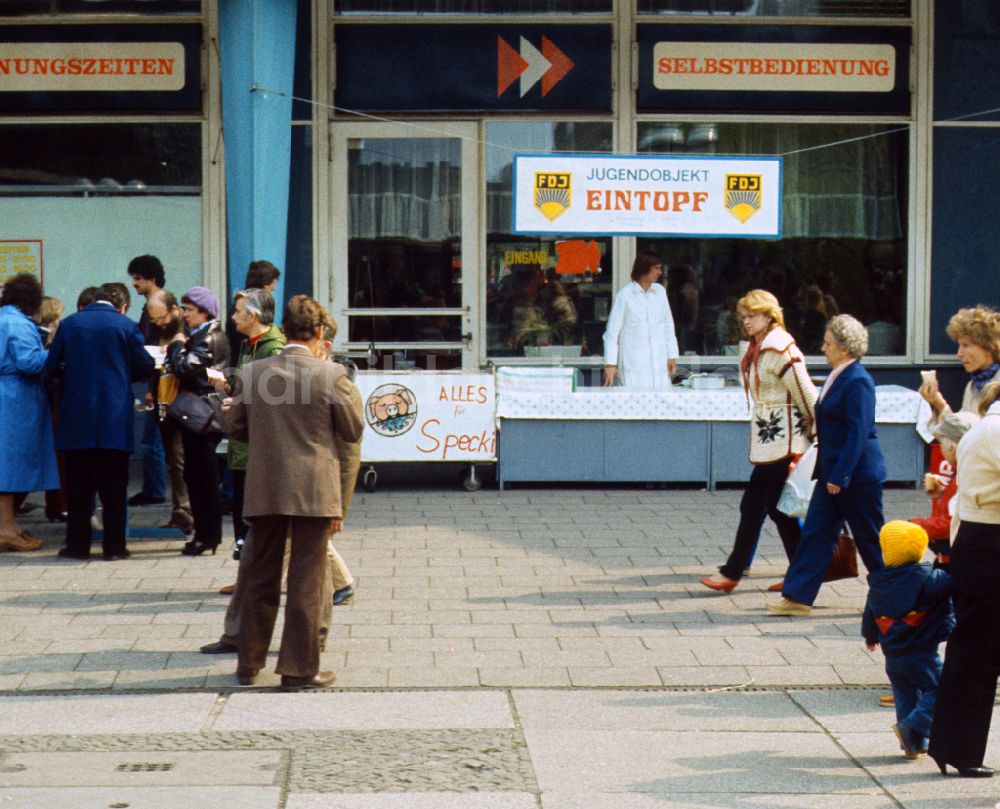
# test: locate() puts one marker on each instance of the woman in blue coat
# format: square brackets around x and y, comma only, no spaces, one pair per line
[28,460]
[849,472]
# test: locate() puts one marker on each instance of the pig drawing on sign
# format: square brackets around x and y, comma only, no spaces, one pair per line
[391,410]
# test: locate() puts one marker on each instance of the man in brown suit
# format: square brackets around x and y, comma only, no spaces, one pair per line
[290,408]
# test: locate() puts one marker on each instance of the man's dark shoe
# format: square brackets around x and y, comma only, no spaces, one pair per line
[220,647]
[143,499]
[345,595]
[320,680]
[66,553]
[117,556]
[246,676]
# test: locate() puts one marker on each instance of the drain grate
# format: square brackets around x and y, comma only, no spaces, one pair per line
[145,766]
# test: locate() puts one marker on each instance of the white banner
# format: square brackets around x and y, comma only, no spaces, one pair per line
[637,195]
[774,67]
[428,416]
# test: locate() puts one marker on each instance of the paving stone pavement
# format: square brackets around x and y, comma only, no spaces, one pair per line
[537,648]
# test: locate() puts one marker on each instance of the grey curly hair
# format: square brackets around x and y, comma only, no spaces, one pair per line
[850,333]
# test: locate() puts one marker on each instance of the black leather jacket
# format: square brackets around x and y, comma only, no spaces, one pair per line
[207,348]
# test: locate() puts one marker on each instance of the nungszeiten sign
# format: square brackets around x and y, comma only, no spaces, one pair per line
[774,67]
[97,66]
[631,195]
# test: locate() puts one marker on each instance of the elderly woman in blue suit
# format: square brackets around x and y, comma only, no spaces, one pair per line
[849,470]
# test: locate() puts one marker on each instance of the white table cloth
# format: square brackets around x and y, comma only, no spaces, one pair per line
[893,404]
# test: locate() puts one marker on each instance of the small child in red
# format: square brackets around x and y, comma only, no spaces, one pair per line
[941,490]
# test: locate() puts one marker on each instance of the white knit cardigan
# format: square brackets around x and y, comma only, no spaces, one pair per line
[784,398]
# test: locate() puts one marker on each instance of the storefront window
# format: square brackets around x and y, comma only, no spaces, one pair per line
[472,6]
[546,296]
[19,7]
[843,244]
[780,8]
[93,196]
[404,253]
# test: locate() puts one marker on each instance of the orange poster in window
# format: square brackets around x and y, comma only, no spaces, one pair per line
[577,256]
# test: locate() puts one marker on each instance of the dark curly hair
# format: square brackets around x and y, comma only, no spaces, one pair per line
[149,268]
[24,292]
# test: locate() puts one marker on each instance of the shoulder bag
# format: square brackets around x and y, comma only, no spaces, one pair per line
[195,413]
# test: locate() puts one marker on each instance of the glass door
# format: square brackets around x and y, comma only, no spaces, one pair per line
[405,230]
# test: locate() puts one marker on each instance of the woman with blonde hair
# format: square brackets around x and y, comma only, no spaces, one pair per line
[977,332]
[775,377]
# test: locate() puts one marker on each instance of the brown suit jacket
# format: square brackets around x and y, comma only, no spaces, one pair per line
[290,409]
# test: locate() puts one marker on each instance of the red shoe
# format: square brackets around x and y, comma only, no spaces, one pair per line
[725,586]
[777,587]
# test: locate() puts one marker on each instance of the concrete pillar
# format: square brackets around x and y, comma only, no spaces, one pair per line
[257,46]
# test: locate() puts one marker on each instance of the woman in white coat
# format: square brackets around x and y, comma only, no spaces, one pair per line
[640,346]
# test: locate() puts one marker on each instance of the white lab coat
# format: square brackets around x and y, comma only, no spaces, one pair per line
[640,336]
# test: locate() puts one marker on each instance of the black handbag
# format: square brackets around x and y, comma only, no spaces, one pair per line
[195,413]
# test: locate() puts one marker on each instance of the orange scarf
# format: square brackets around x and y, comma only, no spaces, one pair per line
[751,358]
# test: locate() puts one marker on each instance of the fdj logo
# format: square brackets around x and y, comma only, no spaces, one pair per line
[743,195]
[553,193]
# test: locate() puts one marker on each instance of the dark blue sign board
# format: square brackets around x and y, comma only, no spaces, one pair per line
[649,98]
[186,99]
[459,68]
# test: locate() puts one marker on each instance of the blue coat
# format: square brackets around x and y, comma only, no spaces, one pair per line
[908,609]
[28,457]
[99,353]
[845,428]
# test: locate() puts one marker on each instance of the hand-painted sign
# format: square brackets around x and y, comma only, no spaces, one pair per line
[436,68]
[633,195]
[428,416]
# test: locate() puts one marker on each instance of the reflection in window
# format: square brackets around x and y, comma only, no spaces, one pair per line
[780,8]
[843,230]
[472,6]
[404,222]
[77,159]
[546,296]
[40,7]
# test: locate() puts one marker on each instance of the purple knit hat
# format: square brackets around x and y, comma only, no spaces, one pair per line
[203,298]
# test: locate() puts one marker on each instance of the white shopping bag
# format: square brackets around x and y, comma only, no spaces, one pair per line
[798,488]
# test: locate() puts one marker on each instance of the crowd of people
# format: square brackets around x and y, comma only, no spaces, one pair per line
[67,412]
[66,423]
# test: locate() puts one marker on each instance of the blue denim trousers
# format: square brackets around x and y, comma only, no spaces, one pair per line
[914,678]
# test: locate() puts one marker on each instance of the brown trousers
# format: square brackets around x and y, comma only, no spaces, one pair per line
[339,576]
[260,580]
[170,432]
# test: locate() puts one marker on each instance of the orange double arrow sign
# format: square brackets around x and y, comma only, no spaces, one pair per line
[530,65]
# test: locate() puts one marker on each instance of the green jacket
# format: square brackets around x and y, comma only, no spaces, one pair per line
[273,342]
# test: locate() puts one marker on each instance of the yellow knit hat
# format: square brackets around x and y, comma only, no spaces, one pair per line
[903,543]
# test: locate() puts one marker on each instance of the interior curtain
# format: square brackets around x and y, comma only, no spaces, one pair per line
[405,189]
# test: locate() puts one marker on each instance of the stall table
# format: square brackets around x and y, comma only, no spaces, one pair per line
[601,435]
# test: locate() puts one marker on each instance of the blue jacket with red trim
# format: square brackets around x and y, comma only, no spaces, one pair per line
[908,609]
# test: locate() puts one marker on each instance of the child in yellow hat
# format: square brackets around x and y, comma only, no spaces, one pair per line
[908,614]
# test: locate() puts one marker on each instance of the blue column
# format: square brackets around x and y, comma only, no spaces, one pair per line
[257,45]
